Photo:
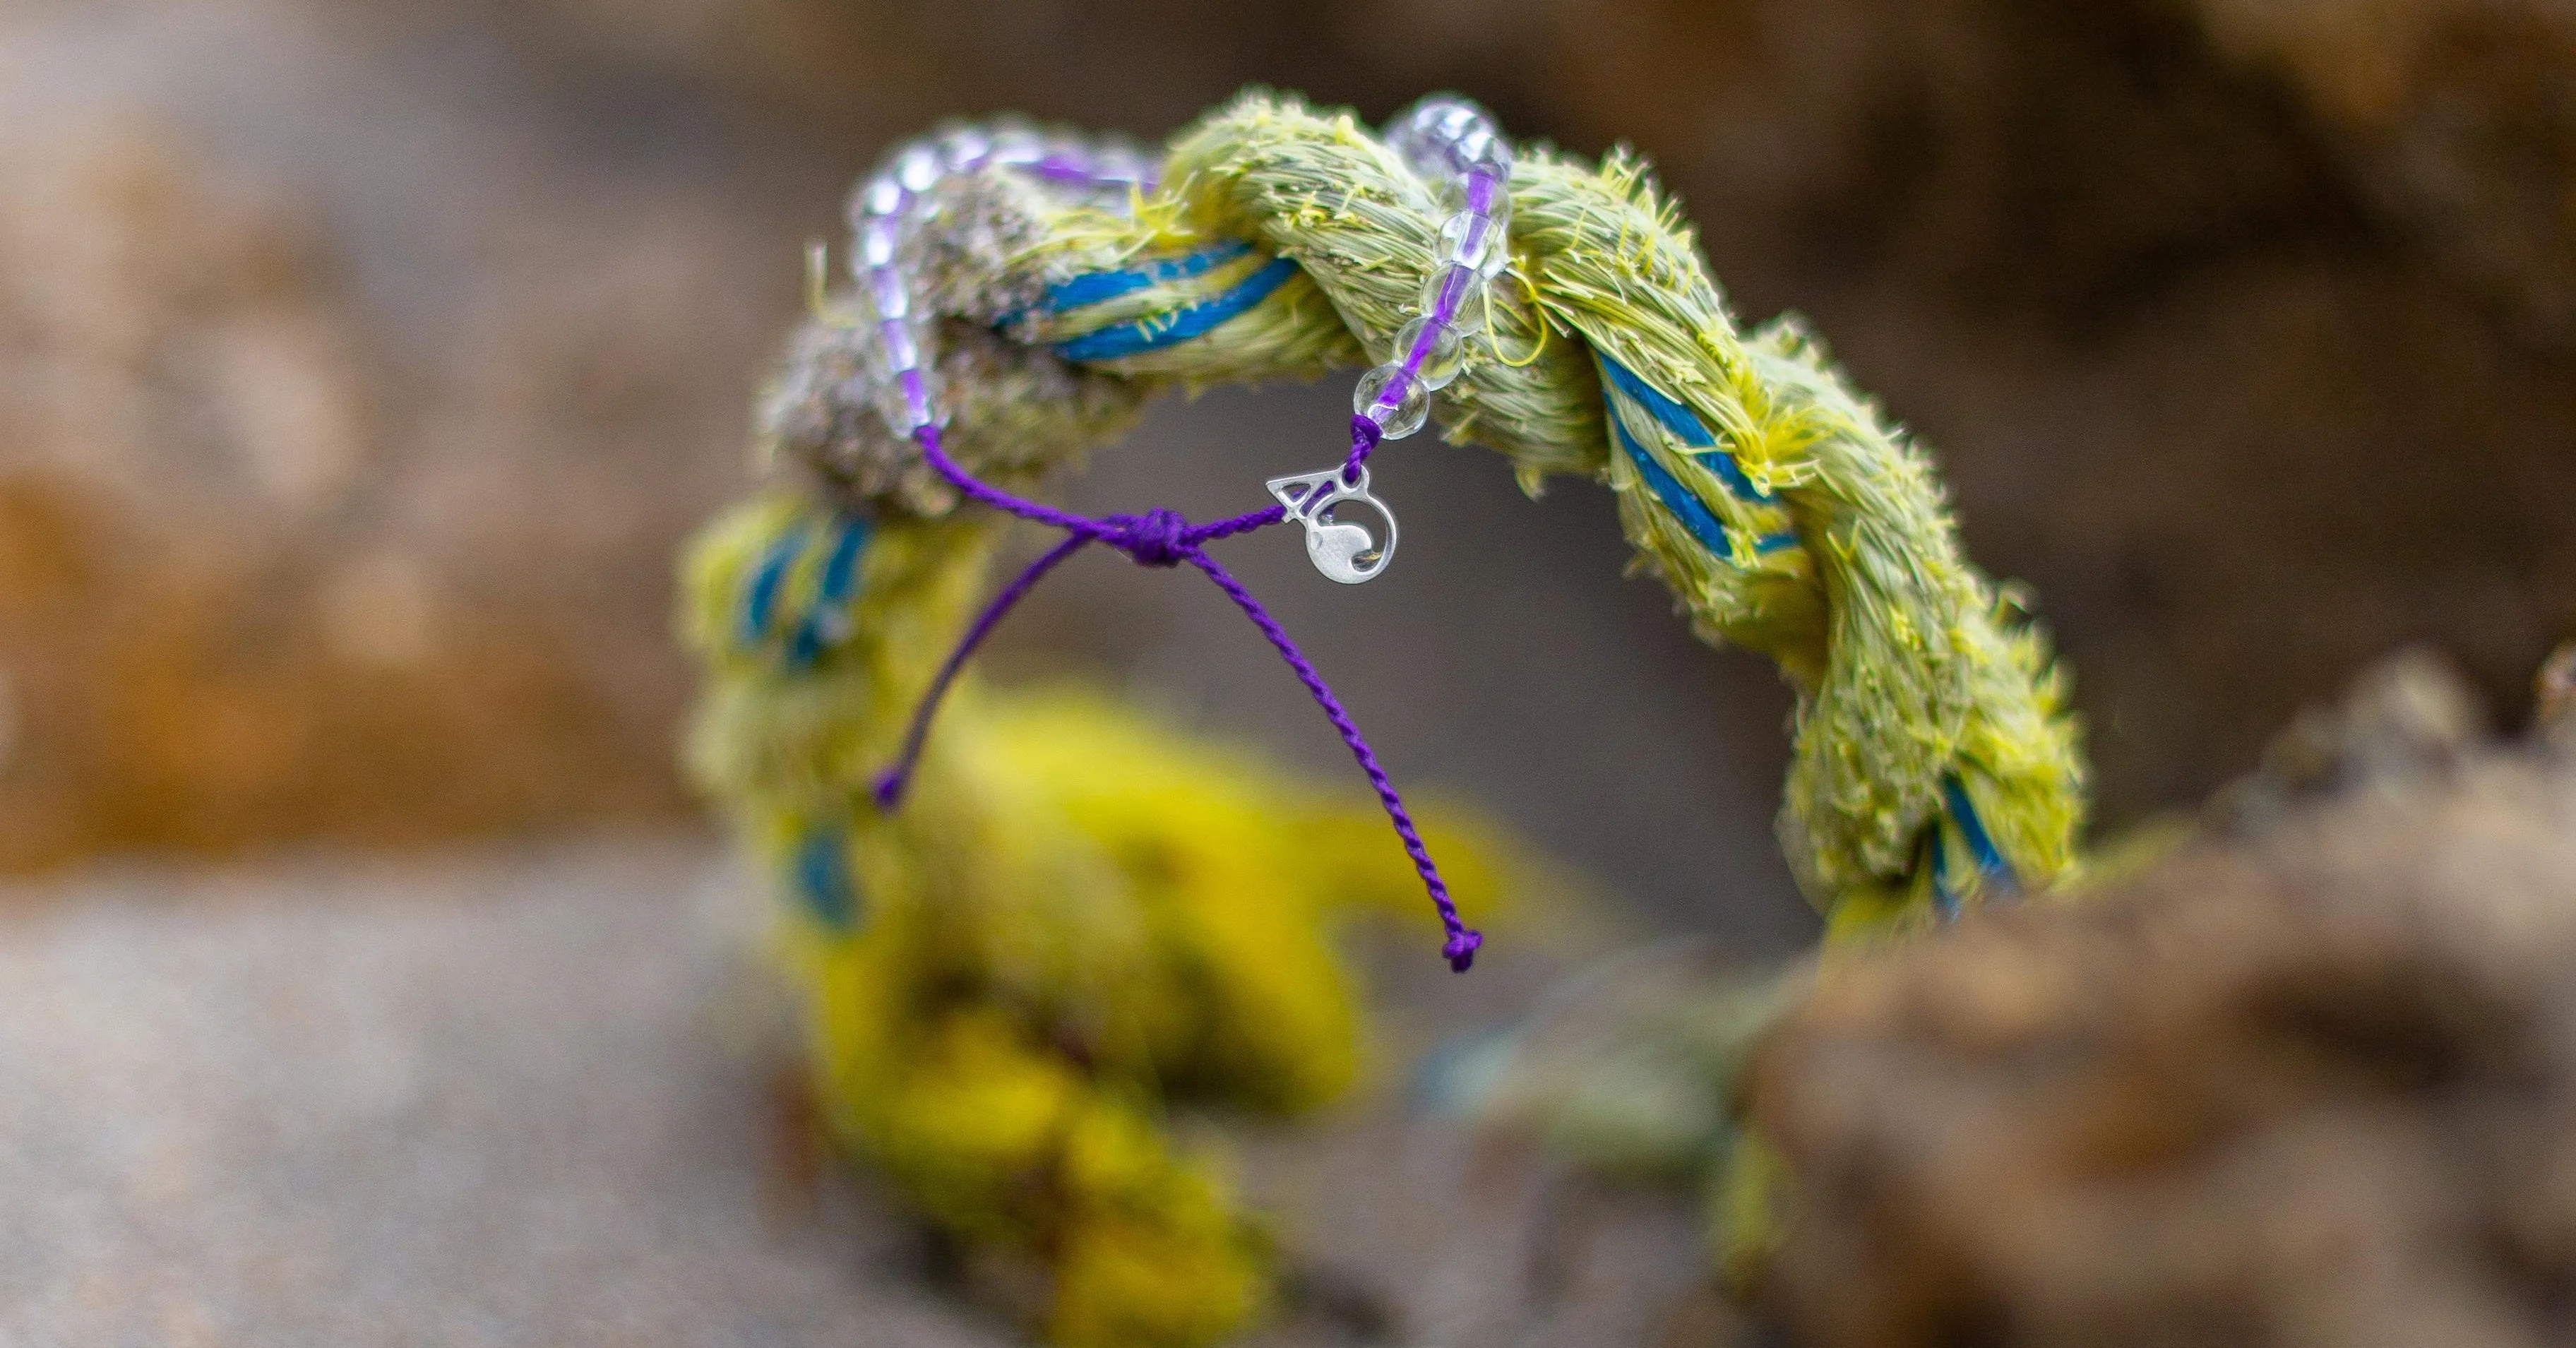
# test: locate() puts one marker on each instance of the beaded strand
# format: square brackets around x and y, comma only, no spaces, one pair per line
[1447,140]
[886,211]
[1455,144]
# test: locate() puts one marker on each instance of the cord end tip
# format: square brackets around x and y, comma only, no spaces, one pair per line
[888,791]
[1461,950]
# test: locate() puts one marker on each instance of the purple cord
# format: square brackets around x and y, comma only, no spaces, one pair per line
[1462,943]
[1164,538]
[891,783]
[1365,435]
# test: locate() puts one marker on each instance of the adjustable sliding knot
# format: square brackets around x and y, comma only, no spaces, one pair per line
[1162,537]
[1159,537]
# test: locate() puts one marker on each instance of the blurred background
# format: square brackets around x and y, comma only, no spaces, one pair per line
[364,362]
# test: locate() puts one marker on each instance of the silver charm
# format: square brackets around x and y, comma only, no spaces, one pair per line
[1343,551]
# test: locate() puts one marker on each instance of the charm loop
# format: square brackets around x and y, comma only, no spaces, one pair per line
[1343,551]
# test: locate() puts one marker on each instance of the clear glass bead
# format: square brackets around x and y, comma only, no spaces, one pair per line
[1409,136]
[1396,401]
[1068,154]
[878,239]
[964,149]
[1481,150]
[1486,194]
[883,199]
[899,341]
[1121,167]
[920,390]
[1430,134]
[1433,350]
[917,168]
[1016,145]
[890,292]
[1455,295]
[1399,137]
[909,404]
[1471,240]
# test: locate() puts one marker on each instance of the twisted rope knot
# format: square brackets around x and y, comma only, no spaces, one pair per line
[1159,537]
[1461,949]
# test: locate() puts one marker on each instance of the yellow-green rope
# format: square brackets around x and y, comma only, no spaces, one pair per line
[1934,763]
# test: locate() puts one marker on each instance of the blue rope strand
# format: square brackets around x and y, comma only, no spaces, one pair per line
[1945,900]
[1097,287]
[827,622]
[1685,426]
[1684,505]
[1180,325]
[1981,845]
[823,878]
[762,598]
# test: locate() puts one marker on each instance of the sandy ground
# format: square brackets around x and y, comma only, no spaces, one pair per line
[532,1098]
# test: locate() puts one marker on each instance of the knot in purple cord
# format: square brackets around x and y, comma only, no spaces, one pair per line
[1158,537]
[1164,538]
[1365,435]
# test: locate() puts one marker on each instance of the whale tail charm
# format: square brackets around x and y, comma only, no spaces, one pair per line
[1343,550]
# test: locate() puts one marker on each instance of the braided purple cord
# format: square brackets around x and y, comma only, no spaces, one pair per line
[1164,538]
[1110,531]
[1461,947]
[892,783]
[1365,435]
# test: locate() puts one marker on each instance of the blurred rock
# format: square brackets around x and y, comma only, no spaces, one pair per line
[2312,1087]
[2456,117]
[214,626]
[2554,689]
[543,1097]
[2410,720]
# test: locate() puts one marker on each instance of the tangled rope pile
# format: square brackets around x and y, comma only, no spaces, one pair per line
[1043,289]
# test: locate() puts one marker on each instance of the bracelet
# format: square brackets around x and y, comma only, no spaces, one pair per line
[1020,295]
